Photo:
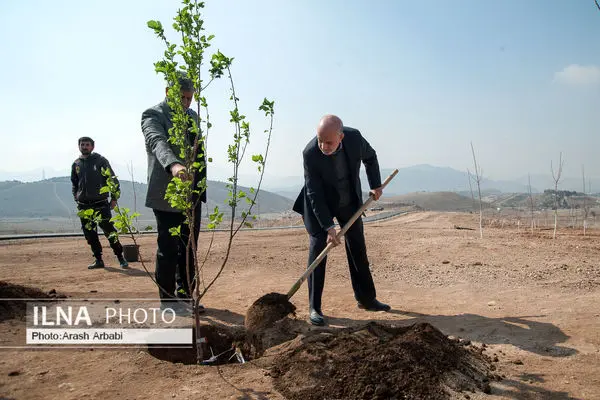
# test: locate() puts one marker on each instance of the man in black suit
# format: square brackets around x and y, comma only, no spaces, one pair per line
[332,189]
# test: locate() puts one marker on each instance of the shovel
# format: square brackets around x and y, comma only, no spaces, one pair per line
[340,234]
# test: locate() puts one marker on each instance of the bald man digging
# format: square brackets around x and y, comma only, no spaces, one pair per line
[332,189]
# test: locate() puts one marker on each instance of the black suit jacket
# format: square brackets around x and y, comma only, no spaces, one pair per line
[318,200]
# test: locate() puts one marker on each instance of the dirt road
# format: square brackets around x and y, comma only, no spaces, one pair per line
[534,301]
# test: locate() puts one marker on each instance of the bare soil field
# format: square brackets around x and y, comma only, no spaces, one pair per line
[514,315]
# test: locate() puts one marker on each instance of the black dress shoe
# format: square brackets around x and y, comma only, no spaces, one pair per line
[98,263]
[375,305]
[316,318]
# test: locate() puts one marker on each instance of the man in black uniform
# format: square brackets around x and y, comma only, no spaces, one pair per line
[87,180]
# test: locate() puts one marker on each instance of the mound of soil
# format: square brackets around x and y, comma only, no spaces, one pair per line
[381,362]
[10,294]
[266,310]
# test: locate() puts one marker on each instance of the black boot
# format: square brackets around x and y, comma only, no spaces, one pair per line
[98,263]
[122,261]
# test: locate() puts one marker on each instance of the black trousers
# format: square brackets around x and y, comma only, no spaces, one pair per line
[171,272]
[91,235]
[358,262]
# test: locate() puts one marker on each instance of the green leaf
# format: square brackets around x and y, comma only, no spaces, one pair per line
[268,107]
[156,25]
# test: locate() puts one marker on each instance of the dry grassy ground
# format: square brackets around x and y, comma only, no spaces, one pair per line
[533,300]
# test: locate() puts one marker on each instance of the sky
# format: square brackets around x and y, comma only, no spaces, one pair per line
[420,80]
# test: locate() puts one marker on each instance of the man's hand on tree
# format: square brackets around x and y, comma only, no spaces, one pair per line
[179,171]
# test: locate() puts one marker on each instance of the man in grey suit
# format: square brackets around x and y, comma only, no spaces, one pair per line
[164,164]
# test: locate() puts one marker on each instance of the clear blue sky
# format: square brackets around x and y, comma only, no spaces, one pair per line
[521,79]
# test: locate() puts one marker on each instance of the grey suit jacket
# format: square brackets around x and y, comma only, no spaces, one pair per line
[156,122]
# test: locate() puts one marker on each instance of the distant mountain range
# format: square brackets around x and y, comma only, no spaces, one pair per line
[429,178]
[53,198]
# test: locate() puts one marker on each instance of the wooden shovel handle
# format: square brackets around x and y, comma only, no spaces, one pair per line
[340,234]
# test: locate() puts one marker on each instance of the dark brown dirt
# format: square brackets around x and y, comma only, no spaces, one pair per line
[372,361]
[266,310]
[533,301]
[10,294]
[380,362]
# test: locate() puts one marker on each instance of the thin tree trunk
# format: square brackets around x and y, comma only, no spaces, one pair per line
[556,177]
[478,181]
[471,187]
[531,202]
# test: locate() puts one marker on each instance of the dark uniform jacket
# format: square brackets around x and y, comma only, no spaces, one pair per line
[87,179]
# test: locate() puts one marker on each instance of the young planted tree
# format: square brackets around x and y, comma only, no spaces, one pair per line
[471,188]
[477,179]
[189,57]
[586,207]
[592,212]
[131,175]
[530,201]
[556,176]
